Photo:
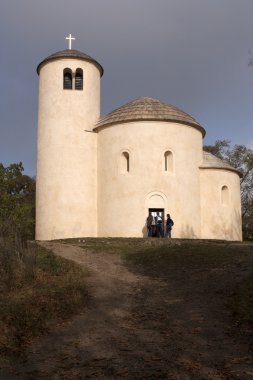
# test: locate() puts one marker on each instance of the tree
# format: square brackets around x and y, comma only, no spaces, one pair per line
[241,158]
[17,204]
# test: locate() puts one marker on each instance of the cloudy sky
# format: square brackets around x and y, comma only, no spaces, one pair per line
[190,53]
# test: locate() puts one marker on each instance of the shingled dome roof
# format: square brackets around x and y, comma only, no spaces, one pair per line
[70,54]
[148,109]
[212,162]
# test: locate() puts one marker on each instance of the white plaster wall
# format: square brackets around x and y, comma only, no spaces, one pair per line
[124,198]
[66,196]
[220,221]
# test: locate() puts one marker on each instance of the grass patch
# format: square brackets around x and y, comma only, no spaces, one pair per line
[214,263]
[107,245]
[162,259]
[37,291]
[177,260]
[242,301]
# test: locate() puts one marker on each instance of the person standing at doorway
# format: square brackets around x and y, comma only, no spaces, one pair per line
[149,224]
[169,225]
[159,225]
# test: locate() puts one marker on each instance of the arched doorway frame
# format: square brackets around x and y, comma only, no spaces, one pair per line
[149,205]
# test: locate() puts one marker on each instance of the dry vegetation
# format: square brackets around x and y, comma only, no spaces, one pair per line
[37,291]
[157,258]
[170,310]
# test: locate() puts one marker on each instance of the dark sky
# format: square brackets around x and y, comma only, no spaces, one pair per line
[190,53]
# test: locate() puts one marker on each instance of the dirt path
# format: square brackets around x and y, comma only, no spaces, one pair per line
[138,327]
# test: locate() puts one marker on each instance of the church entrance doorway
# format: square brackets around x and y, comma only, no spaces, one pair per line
[157,227]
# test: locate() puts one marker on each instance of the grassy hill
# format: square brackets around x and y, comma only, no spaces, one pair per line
[208,279]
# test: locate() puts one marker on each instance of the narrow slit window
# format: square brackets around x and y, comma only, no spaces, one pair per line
[79,79]
[125,162]
[224,195]
[168,161]
[67,79]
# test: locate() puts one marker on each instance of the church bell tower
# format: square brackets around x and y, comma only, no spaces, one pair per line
[69,108]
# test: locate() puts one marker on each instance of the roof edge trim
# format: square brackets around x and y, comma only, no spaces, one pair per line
[105,125]
[55,58]
[222,168]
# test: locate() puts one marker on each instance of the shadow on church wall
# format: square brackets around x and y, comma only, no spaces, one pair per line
[144,231]
[232,230]
[227,230]
[224,231]
[187,232]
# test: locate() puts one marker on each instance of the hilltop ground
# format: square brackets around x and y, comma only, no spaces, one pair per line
[156,310]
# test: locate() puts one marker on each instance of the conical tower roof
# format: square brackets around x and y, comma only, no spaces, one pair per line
[212,162]
[148,109]
[70,54]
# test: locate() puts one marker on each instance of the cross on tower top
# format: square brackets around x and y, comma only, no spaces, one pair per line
[70,38]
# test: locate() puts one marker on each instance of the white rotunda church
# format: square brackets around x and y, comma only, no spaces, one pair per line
[101,176]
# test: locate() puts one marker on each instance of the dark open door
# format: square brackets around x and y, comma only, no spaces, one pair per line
[157,212]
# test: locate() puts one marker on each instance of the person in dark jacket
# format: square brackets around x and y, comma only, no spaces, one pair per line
[150,221]
[169,225]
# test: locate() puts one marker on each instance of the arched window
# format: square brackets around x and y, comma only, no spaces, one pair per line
[125,162]
[224,195]
[79,79]
[168,161]
[67,79]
